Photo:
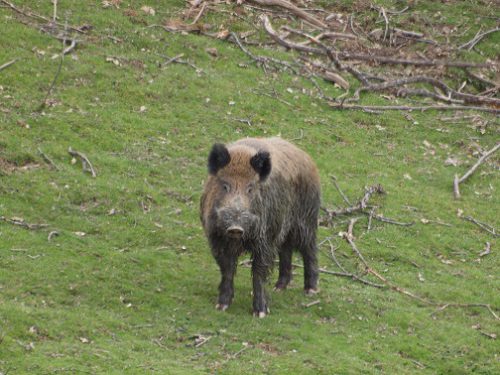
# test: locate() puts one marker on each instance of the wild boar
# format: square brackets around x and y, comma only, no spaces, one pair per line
[261,196]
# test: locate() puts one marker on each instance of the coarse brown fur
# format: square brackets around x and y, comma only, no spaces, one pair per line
[261,196]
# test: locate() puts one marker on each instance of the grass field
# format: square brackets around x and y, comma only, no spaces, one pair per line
[129,285]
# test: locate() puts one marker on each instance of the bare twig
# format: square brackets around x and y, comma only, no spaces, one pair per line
[360,206]
[348,236]
[486,251]
[467,305]
[457,181]
[390,221]
[7,64]
[20,222]
[307,305]
[29,13]
[467,98]
[86,164]
[375,108]
[484,226]
[471,43]
[344,197]
[52,234]
[47,159]
[61,60]
[354,276]
[200,13]
[294,9]
[263,60]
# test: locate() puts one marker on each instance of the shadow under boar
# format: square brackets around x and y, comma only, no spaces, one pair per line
[261,196]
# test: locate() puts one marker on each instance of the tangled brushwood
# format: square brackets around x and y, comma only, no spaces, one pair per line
[363,49]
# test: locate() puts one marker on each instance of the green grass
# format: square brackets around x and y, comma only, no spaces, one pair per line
[131,295]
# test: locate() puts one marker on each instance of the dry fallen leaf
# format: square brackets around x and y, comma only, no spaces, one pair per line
[80,234]
[451,161]
[148,10]
[212,52]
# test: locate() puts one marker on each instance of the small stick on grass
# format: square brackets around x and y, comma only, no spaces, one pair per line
[86,164]
[471,43]
[486,251]
[360,206]
[307,305]
[354,277]
[47,159]
[457,181]
[7,64]
[344,197]
[484,226]
[20,222]
[422,108]
[348,236]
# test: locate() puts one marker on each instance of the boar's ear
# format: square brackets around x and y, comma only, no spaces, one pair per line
[261,162]
[218,158]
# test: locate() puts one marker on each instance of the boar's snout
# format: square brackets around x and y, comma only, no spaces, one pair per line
[235,223]
[235,231]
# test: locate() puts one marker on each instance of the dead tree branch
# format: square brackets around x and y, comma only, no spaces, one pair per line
[349,237]
[484,226]
[86,164]
[375,108]
[457,181]
[294,9]
[471,43]
[7,64]
[20,222]
[360,206]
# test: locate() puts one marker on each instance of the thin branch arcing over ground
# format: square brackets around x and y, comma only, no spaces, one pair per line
[457,181]
[349,237]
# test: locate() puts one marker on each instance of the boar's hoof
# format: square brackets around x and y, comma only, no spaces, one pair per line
[234,231]
[311,291]
[279,287]
[221,307]
[260,314]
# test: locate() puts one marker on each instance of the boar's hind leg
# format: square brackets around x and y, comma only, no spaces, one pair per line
[285,267]
[308,251]
[227,265]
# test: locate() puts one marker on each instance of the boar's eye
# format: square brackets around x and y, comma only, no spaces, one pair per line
[250,189]
[226,187]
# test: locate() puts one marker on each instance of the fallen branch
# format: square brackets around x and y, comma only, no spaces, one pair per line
[343,55]
[466,305]
[423,108]
[47,159]
[486,227]
[20,222]
[61,60]
[448,91]
[349,237]
[354,276]
[360,206]
[263,60]
[486,251]
[86,164]
[7,64]
[294,9]
[344,197]
[30,14]
[471,43]
[457,181]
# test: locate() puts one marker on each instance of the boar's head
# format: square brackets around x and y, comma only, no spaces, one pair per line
[238,176]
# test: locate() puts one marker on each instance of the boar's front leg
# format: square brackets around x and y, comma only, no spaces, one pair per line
[260,271]
[227,265]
